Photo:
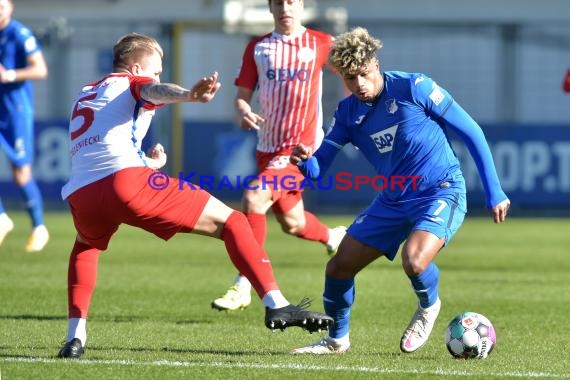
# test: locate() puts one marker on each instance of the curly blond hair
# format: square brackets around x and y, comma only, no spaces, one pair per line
[353,50]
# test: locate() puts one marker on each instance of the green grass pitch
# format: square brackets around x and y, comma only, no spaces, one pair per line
[151,317]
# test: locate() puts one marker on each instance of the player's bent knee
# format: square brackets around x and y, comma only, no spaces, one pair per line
[335,268]
[256,200]
[414,266]
[291,227]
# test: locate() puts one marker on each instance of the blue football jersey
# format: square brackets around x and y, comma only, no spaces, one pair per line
[17,43]
[402,133]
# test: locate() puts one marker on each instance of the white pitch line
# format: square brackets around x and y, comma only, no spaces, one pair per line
[297,367]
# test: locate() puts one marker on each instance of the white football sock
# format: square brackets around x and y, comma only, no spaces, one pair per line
[77,329]
[343,341]
[274,299]
[243,283]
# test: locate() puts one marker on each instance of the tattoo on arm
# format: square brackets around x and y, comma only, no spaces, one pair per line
[164,93]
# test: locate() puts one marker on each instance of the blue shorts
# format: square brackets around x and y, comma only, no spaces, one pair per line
[385,225]
[17,137]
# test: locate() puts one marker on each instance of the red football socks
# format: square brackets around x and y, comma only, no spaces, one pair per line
[314,229]
[258,223]
[247,255]
[81,279]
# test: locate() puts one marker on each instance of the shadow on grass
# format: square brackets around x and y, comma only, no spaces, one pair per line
[35,317]
[110,318]
[188,351]
[101,353]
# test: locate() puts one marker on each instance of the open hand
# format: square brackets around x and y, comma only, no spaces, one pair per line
[205,89]
[251,120]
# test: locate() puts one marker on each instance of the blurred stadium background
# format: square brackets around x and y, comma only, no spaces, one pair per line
[503,60]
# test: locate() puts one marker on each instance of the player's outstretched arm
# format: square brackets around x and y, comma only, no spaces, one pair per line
[203,91]
[475,140]
[472,135]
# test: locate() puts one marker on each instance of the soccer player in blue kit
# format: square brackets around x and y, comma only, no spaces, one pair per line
[21,60]
[398,121]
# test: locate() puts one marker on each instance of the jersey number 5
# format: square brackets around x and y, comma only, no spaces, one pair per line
[87,113]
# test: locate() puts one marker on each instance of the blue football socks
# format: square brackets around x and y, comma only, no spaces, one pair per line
[32,196]
[338,299]
[426,285]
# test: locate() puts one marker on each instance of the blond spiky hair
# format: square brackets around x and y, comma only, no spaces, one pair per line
[131,47]
[353,50]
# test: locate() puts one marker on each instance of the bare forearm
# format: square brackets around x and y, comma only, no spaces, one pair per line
[245,117]
[242,101]
[241,107]
[165,93]
[32,73]
[35,72]
[203,91]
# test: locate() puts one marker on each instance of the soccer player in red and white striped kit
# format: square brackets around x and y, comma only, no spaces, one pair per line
[112,184]
[285,68]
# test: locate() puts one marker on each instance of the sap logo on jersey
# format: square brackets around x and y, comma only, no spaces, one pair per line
[384,139]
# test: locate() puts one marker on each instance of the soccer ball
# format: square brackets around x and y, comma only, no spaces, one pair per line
[470,335]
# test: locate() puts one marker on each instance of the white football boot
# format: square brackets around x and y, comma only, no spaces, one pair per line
[235,298]
[419,329]
[38,239]
[6,226]
[325,346]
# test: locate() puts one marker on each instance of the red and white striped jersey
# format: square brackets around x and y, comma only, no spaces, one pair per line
[286,72]
[106,129]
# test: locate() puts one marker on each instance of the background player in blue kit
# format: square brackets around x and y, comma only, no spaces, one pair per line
[21,60]
[398,121]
